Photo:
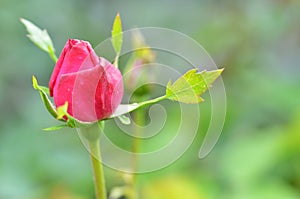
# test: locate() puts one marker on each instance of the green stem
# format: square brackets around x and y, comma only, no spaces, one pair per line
[92,136]
[54,58]
[139,117]
[135,106]
[152,101]
[116,62]
[99,181]
[52,55]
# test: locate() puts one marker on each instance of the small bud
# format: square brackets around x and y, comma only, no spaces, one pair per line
[91,85]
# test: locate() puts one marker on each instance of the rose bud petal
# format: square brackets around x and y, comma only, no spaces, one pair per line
[91,85]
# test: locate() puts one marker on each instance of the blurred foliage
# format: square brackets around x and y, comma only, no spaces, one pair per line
[257,156]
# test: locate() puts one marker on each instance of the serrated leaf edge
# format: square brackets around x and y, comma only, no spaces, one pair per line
[171,95]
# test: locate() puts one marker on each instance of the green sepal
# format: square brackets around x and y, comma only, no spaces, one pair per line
[118,192]
[55,128]
[191,85]
[72,122]
[43,93]
[124,119]
[62,111]
[40,38]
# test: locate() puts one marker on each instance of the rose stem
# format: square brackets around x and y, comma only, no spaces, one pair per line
[52,55]
[139,117]
[97,170]
[92,136]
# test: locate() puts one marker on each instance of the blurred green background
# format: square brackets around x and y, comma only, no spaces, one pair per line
[258,154]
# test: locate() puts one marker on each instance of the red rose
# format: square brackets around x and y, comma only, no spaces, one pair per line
[91,85]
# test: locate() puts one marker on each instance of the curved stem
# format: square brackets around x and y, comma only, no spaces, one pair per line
[152,101]
[127,108]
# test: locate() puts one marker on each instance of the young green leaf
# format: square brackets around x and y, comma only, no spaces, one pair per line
[117,35]
[43,93]
[186,89]
[191,85]
[40,38]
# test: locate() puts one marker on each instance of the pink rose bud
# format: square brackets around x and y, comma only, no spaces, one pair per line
[91,85]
